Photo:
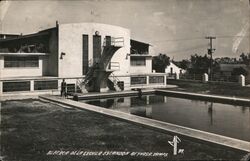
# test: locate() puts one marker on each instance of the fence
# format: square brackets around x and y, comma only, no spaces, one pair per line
[214,78]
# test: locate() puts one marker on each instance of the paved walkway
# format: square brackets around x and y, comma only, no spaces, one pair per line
[193,133]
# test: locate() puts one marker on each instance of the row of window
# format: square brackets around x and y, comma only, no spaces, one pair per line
[25,85]
[143,80]
[137,61]
[43,85]
[53,84]
[33,61]
[16,86]
[15,61]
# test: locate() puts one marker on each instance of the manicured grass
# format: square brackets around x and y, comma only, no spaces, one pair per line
[226,89]
[31,128]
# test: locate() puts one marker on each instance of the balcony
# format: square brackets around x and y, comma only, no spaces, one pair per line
[113,41]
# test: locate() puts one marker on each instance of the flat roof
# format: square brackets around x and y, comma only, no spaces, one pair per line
[140,55]
[37,34]
[136,41]
[24,54]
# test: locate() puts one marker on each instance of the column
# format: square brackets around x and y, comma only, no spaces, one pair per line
[242,80]
[1,88]
[205,78]
[32,85]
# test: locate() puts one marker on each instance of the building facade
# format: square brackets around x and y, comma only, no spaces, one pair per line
[172,69]
[38,62]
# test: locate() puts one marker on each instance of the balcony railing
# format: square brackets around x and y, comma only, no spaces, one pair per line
[114,66]
[113,41]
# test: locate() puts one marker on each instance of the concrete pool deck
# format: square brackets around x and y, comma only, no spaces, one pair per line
[207,97]
[159,125]
[217,98]
[88,96]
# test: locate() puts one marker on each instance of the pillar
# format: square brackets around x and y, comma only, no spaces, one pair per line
[1,88]
[147,81]
[32,85]
[177,76]
[165,79]
[205,78]
[242,80]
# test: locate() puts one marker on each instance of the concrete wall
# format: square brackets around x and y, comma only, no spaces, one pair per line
[20,72]
[70,42]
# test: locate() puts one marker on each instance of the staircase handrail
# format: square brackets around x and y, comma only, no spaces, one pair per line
[114,41]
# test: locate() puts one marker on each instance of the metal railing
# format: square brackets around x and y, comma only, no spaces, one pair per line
[114,41]
[114,66]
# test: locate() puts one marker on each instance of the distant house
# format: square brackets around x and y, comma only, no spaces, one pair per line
[174,69]
[227,69]
[225,72]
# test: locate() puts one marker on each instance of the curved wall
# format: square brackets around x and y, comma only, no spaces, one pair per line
[71,43]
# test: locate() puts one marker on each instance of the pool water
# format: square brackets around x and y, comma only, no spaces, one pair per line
[224,119]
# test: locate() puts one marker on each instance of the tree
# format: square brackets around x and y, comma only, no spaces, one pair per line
[239,71]
[245,58]
[160,62]
[184,64]
[199,64]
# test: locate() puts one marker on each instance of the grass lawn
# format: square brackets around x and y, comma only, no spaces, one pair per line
[211,88]
[31,128]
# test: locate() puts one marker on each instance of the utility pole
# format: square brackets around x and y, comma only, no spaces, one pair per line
[210,52]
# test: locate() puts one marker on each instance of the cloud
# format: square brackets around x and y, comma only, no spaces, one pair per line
[4,6]
[239,37]
[158,13]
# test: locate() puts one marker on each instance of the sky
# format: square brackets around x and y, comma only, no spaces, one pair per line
[174,27]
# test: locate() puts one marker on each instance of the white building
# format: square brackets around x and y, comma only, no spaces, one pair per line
[38,62]
[174,69]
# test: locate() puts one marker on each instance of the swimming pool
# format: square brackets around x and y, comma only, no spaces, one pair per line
[224,119]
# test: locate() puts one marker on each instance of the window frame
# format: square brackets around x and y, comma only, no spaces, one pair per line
[141,82]
[138,62]
[156,79]
[21,62]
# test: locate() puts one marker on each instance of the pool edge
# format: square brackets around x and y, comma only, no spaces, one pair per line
[189,132]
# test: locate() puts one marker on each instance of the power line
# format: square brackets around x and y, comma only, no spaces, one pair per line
[229,36]
[188,49]
[196,38]
[182,39]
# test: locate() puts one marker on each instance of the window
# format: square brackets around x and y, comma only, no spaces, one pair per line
[137,61]
[85,54]
[15,61]
[156,79]
[16,86]
[43,85]
[71,88]
[138,80]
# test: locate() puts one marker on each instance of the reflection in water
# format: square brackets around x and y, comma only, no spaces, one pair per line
[210,112]
[229,120]
[243,109]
